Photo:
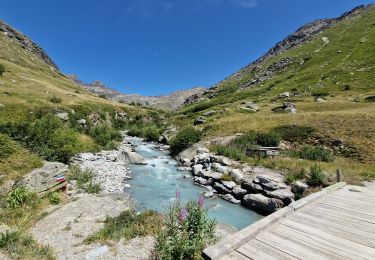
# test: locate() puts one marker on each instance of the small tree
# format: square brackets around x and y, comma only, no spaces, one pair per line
[2,69]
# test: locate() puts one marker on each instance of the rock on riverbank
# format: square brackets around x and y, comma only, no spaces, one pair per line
[258,188]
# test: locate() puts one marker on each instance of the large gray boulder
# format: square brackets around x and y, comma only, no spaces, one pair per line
[197,169]
[230,198]
[211,174]
[130,157]
[229,184]
[200,120]
[45,179]
[236,174]
[220,188]
[261,203]
[299,187]
[252,187]
[238,192]
[285,195]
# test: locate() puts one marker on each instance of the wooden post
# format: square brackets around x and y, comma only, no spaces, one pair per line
[338,175]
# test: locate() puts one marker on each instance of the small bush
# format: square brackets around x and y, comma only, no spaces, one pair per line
[103,135]
[2,69]
[230,152]
[316,153]
[55,99]
[18,197]
[54,198]
[128,225]
[149,132]
[188,230]
[22,246]
[184,138]
[370,99]
[316,177]
[84,179]
[103,96]
[6,146]
[227,177]
[295,176]
[268,139]
[294,133]
[321,93]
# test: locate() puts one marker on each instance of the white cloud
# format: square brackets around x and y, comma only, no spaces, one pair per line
[245,3]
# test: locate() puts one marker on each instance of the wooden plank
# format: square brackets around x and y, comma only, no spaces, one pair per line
[322,234]
[329,210]
[260,251]
[340,233]
[356,195]
[234,256]
[335,224]
[355,214]
[342,220]
[358,204]
[333,247]
[297,248]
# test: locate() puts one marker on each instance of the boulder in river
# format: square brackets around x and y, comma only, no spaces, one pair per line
[130,157]
[252,187]
[230,198]
[261,203]
[286,196]
[221,188]
[238,192]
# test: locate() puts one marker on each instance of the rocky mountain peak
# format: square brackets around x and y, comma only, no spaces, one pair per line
[26,43]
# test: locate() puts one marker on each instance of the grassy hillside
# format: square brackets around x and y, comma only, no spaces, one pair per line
[32,93]
[341,72]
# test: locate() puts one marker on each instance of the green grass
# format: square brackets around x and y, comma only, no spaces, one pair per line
[84,179]
[128,225]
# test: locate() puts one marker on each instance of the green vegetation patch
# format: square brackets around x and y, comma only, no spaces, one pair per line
[294,133]
[316,177]
[151,132]
[183,139]
[316,153]
[84,179]
[128,225]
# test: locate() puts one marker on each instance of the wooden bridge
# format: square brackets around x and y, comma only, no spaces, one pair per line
[335,223]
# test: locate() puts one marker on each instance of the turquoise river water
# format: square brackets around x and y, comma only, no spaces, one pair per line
[154,187]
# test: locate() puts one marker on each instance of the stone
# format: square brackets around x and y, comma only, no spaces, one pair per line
[271,186]
[236,174]
[286,196]
[209,113]
[200,120]
[252,187]
[325,40]
[238,192]
[43,180]
[95,119]
[229,184]
[290,107]
[321,100]
[185,162]
[168,134]
[337,142]
[261,203]
[284,95]
[200,180]
[219,168]
[221,188]
[130,157]
[82,122]
[221,160]
[211,174]
[209,194]
[63,116]
[7,186]
[197,169]
[299,187]
[203,150]
[230,198]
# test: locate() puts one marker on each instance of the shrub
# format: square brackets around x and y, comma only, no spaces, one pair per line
[54,198]
[55,99]
[84,179]
[188,230]
[295,176]
[128,225]
[226,177]
[294,133]
[149,132]
[268,139]
[6,146]
[230,152]
[316,154]
[18,197]
[321,93]
[184,138]
[370,99]
[103,96]
[152,133]
[2,69]
[103,135]
[316,177]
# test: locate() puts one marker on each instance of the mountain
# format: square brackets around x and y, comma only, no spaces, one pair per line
[169,102]
[324,73]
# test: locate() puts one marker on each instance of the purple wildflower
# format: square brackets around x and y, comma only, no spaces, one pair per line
[200,201]
[178,195]
[183,214]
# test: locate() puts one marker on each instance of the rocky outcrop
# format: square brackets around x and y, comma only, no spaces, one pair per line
[45,179]
[130,157]
[261,203]
[287,107]
[26,43]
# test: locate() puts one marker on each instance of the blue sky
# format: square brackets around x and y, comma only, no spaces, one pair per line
[154,47]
